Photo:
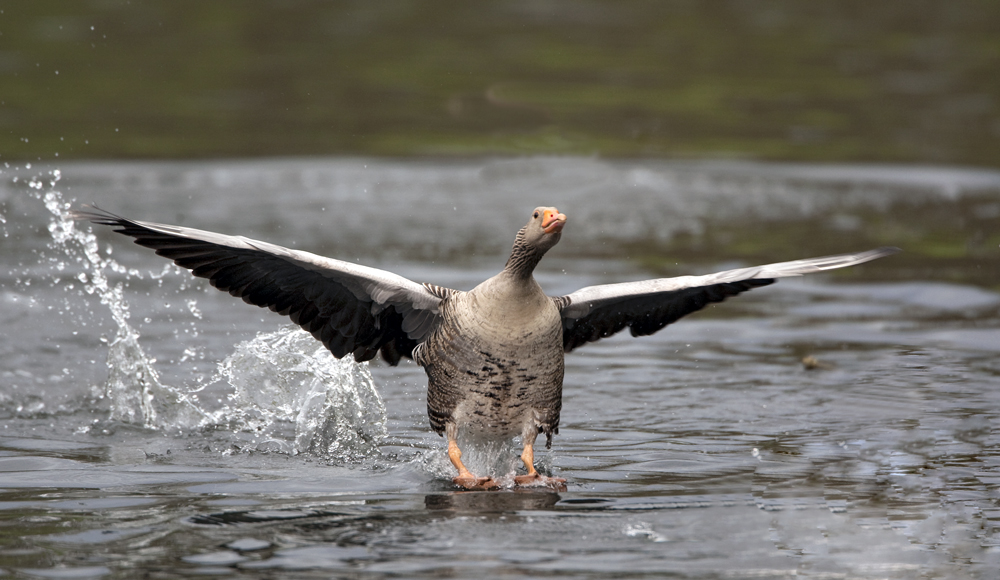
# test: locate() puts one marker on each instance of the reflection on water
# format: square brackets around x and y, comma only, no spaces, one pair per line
[492,502]
[706,450]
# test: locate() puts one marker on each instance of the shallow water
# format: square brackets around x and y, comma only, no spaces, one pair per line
[707,450]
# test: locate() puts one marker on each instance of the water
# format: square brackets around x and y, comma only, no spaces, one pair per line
[782,79]
[151,423]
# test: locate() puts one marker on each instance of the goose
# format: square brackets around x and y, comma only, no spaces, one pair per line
[493,355]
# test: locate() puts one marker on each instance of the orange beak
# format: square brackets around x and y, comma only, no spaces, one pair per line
[553,221]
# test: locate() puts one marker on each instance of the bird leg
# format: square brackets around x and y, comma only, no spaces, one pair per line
[465,477]
[533,478]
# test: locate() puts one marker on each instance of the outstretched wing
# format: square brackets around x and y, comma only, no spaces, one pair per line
[596,312]
[351,309]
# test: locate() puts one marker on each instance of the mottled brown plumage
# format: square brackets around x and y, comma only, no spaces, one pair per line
[493,355]
[495,362]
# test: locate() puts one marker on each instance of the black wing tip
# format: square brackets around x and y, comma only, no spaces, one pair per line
[886,251]
[875,254]
[96,215]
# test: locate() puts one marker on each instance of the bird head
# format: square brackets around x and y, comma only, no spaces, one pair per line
[544,228]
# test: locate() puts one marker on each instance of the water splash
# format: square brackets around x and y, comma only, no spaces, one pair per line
[499,460]
[133,388]
[288,392]
[297,398]
[644,530]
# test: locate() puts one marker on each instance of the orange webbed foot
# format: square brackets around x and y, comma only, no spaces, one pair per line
[538,480]
[474,483]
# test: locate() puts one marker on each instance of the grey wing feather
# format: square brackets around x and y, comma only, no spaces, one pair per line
[352,309]
[645,307]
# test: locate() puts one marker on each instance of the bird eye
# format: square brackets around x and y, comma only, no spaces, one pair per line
[536,215]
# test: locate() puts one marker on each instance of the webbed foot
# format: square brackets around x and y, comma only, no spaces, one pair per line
[538,480]
[471,482]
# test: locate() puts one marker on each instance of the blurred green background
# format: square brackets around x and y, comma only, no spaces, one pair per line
[914,81]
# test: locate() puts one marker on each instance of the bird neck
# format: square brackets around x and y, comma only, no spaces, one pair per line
[523,258]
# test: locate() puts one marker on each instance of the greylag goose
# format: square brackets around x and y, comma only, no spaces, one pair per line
[493,355]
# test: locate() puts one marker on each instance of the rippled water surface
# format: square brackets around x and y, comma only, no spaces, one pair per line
[153,425]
